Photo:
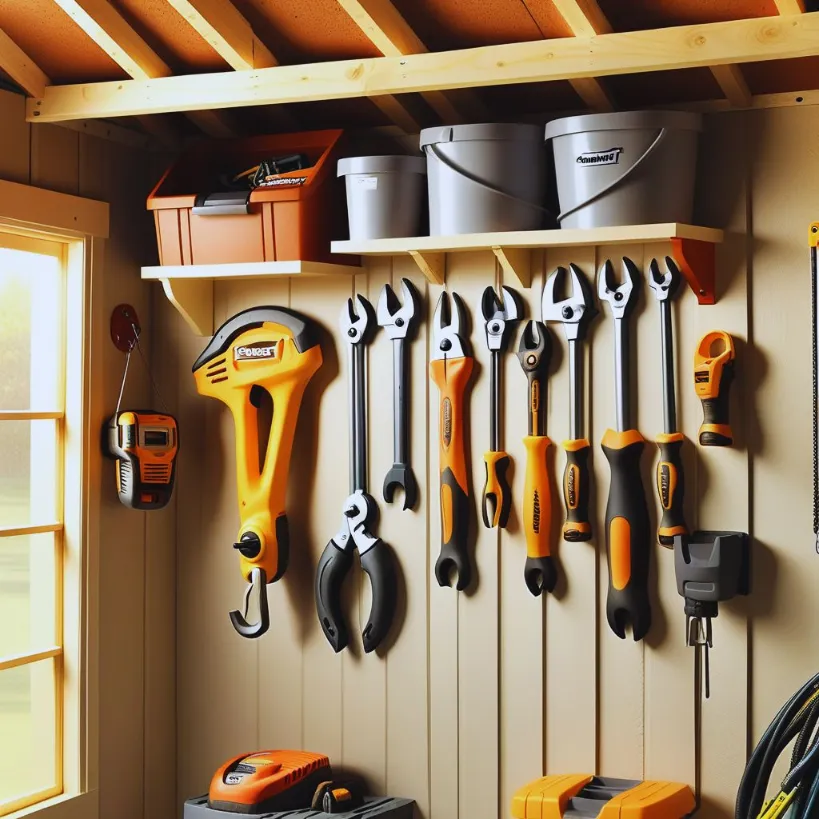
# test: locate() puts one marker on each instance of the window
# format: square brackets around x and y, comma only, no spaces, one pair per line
[36,474]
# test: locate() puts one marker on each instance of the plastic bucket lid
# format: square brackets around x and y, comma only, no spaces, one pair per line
[494,131]
[382,164]
[623,121]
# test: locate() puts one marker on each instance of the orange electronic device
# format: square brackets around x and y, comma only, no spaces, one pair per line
[268,781]
[713,374]
[583,796]
[144,444]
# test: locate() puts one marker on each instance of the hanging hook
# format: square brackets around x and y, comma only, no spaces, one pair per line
[256,590]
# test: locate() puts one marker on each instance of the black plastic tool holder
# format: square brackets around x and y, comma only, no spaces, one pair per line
[711,567]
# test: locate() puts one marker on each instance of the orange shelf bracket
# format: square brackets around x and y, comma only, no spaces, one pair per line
[697,260]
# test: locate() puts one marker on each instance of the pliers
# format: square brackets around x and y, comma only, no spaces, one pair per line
[360,510]
[450,369]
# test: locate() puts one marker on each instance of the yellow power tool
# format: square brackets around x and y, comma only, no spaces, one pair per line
[262,350]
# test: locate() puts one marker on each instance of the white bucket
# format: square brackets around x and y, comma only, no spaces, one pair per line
[629,168]
[384,195]
[484,178]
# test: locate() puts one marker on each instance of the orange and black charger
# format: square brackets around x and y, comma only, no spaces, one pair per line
[713,375]
[144,444]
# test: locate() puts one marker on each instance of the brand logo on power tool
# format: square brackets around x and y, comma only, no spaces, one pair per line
[571,487]
[607,157]
[665,485]
[447,419]
[254,352]
[234,778]
[536,513]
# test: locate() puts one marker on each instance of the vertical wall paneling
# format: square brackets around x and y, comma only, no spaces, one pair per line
[15,140]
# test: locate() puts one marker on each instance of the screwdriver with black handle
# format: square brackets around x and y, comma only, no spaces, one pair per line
[670,475]
[628,545]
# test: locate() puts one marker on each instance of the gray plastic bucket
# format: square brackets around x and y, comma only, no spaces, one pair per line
[484,178]
[629,168]
[383,195]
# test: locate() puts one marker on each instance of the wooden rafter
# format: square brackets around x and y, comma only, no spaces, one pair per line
[392,35]
[790,6]
[733,84]
[633,52]
[21,68]
[117,38]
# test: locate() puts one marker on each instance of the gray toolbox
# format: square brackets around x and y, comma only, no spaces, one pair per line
[374,807]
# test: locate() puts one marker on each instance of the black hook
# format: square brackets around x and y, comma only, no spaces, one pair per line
[258,589]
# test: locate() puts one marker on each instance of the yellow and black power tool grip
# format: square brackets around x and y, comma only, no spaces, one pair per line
[713,376]
[451,377]
[627,536]
[539,573]
[497,496]
[671,487]
[576,483]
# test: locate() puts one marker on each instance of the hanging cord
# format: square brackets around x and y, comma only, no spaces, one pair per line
[154,385]
[122,383]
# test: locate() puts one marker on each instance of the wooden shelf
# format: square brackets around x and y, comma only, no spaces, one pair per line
[190,287]
[692,247]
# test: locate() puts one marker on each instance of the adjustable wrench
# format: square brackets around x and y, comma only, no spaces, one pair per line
[627,538]
[670,478]
[539,573]
[398,320]
[497,317]
[360,510]
[450,369]
[574,313]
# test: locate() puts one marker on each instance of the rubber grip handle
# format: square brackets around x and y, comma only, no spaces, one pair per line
[497,496]
[627,536]
[332,569]
[576,491]
[671,488]
[539,573]
[716,424]
[454,534]
[379,564]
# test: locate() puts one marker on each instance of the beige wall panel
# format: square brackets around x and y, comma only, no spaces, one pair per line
[571,612]
[15,140]
[520,648]
[55,159]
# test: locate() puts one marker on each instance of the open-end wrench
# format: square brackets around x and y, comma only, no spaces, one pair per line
[627,538]
[450,369]
[574,313]
[539,573]
[360,510]
[670,478]
[398,320]
[498,316]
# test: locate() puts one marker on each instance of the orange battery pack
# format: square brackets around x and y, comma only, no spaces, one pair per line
[576,796]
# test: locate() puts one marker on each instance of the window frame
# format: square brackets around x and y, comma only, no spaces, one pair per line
[81,226]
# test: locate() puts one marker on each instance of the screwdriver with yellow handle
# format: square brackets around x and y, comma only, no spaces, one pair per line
[670,476]
[539,573]
[497,318]
[628,544]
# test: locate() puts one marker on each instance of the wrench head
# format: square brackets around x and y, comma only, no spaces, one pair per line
[534,348]
[663,283]
[621,297]
[498,313]
[395,316]
[575,311]
[401,476]
[448,327]
[356,319]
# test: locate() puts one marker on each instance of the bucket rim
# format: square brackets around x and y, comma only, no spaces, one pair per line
[624,121]
[480,132]
[397,163]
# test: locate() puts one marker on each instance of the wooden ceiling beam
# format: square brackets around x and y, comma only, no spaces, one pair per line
[633,52]
[117,38]
[790,6]
[392,35]
[21,68]
[733,85]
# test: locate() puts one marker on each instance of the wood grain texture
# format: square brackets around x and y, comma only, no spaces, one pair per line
[20,67]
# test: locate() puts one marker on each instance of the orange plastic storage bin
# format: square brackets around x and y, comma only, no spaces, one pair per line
[295,219]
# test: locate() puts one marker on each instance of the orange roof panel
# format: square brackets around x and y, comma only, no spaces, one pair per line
[633,15]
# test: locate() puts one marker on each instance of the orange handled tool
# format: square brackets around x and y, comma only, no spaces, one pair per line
[628,544]
[713,376]
[450,369]
[539,573]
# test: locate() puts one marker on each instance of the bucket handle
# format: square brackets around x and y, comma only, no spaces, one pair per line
[480,182]
[623,176]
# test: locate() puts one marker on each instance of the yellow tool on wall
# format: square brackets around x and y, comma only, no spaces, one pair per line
[272,350]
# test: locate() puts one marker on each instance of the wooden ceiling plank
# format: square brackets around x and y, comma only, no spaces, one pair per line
[591,91]
[221,25]
[733,84]
[790,6]
[633,52]
[396,112]
[21,68]
[392,35]
[117,38]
